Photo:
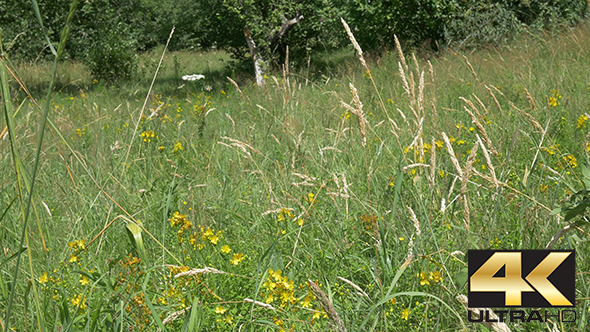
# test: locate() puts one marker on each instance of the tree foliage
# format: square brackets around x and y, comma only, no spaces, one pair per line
[142,24]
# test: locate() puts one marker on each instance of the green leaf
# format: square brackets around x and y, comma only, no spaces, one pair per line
[135,235]
[461,279]
[586,177]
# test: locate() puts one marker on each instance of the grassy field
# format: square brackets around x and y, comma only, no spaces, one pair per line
[343,198]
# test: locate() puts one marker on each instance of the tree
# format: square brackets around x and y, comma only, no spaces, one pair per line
[268,27]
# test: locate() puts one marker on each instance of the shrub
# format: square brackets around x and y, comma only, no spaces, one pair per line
[113,57]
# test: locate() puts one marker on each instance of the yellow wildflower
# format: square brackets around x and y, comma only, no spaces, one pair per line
[225,249]
[84,281]
[44,278]
[220,310]
[148,135]
[237,258]
[435,276]
[570,160]
[582,121]
[79,301]
[177,147]
[214,239]
[406,314]
[423,278]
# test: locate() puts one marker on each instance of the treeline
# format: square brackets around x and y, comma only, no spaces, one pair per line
[108,33]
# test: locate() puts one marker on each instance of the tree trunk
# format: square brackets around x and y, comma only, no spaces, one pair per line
[273,39]
[256,57]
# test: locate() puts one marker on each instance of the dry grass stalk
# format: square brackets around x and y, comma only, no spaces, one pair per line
[356,45]
[431,72]
[193,272]
[531,100]
[174,316]
[420,101]
[394,127]
[496,326]
[421,147]
[400,53]
[277,211]
[468,169]
[260,304]
[353,285]
[470,103]
[417,137]
[335,320]
[237,87]
[415,62]
[554,328]
[488,162]
[483,107]
[358,112]
[463,191]
[482,131]
[432,163]
[241,145]
[406,168]
[302,184]
[304,177]
[454,159]
[466,212]
[410,254]
[231,119]
[558,235]
[452,188]
[495,100]
[433,104]
[535,123]
[471,68]
[412,84]
[404,81]
[415,221]
[498,90]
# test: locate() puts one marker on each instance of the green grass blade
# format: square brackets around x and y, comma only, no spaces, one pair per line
[61,48]
[40,20]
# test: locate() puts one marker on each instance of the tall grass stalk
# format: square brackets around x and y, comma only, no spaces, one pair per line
[58,54]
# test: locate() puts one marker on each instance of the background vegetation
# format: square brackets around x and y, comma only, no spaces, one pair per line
[344,193]
[106,33]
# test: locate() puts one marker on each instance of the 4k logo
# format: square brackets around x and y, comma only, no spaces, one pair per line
[522,278]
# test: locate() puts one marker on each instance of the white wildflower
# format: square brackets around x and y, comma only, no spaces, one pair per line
[193,77]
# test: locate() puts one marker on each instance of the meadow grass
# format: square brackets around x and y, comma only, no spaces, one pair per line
[322,201]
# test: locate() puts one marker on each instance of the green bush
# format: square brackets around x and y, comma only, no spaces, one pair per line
[484,24]
[113,57]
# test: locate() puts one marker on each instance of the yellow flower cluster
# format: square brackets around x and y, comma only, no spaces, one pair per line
[426,278]
[148,135]
[206,235]
[285,214]
[76,247]
[202,236]
[237,258]
[582,119]
[180,220]
[570,160]
[79,302]
[177,147]
[554,100]
[279,287]
[550,150]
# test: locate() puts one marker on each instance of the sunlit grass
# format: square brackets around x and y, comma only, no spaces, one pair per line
[228,206]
